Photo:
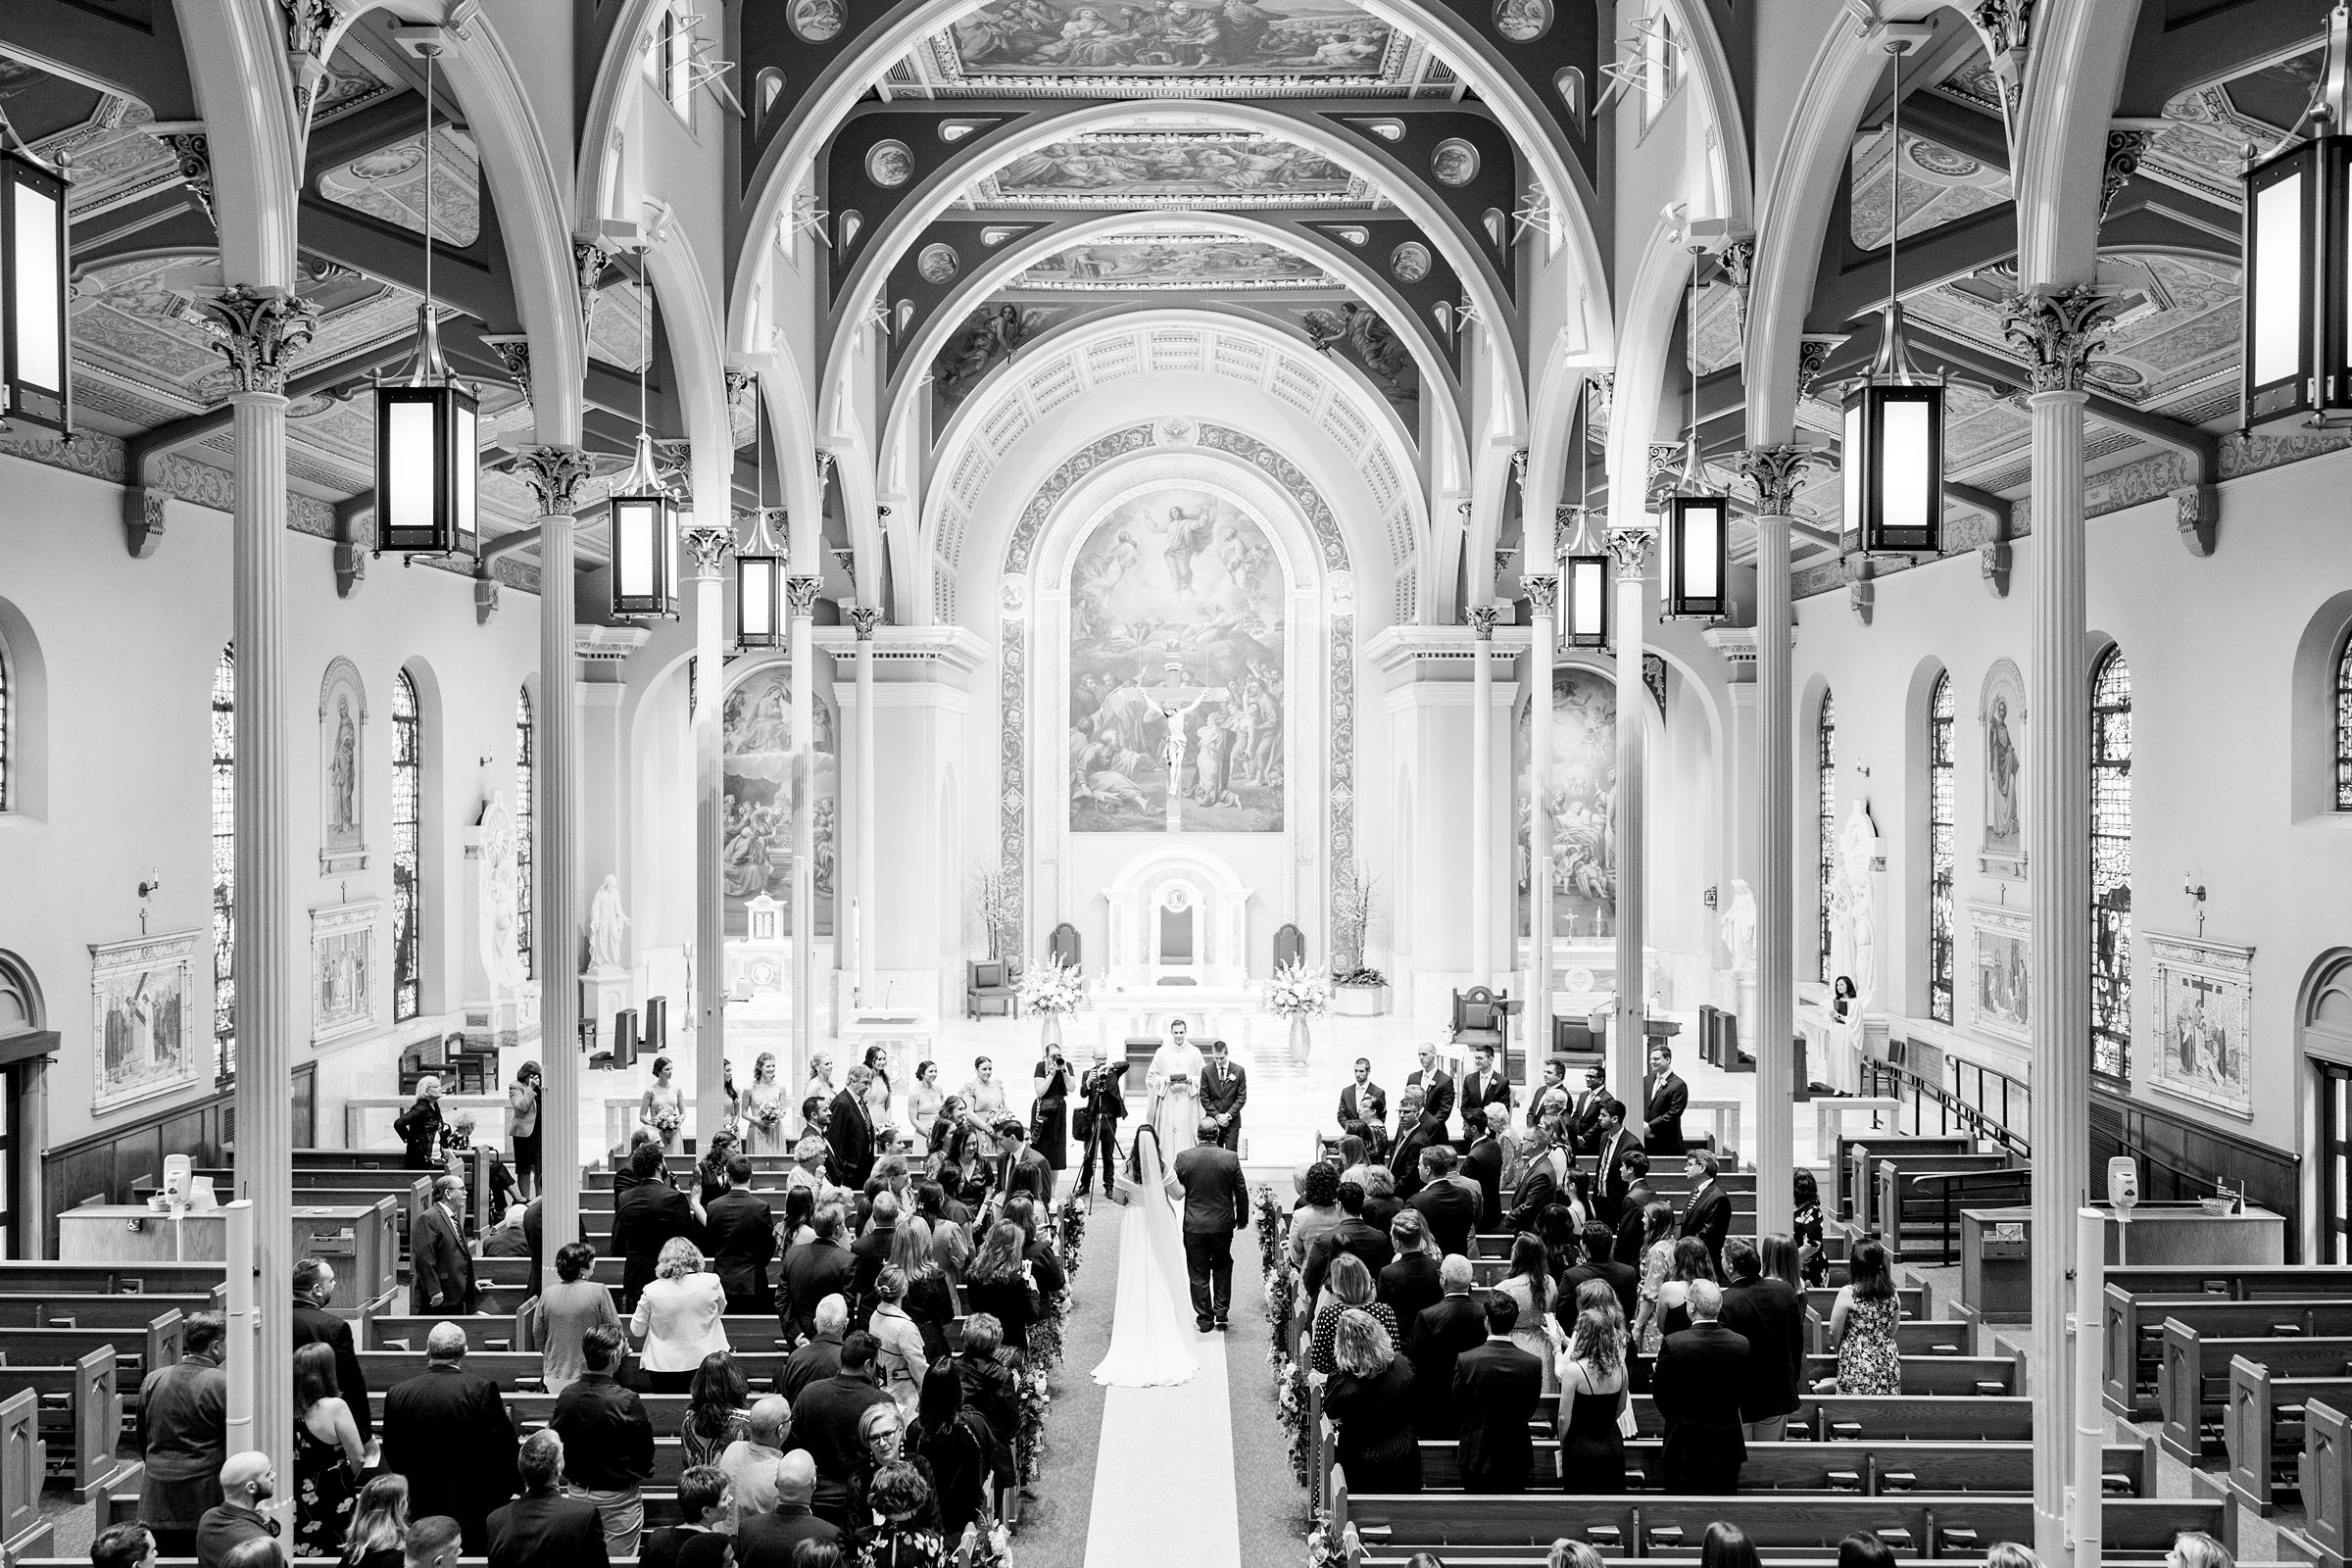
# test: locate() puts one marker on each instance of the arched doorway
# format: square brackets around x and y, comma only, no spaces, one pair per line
[2326,1024]
[26,1044]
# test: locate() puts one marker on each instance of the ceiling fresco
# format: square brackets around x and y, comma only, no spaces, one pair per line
[389,183]
[1214,169]
[1173,262]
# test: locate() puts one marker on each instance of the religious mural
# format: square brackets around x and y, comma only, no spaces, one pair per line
[1176,671]
[759,765]
[138,1016]
[1132,261]
[1582,798]
[2204,1022]
[1174,169]
[1321,38]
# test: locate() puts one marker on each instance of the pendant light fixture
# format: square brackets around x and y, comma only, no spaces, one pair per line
[1583,564]
[645,516]
[1697,520]
[1892,454]
[427,446]
[759,564]
[2297,350]
[36,357]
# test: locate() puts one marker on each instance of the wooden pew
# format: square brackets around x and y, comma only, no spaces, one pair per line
[532,1408]
[1864,1469]
[2263,1428]
[80,1418]
[744,1332]
[2195,1378]
[68,1311]
[1967,1376]
[1853,1176]
[138,1349]
[1909,1300]
[2325,1537]
[1912,1336]
[24,1469]
[2234,1282]
[2135,1334]
[1878,1208]
[512,1369]
[39,1278]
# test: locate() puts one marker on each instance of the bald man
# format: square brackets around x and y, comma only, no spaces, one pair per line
[446,1431]
[247,1481]
[767,1540]
[750,1460]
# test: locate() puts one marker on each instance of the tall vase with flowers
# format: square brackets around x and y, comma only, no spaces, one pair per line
[1297,993]
[1052,991]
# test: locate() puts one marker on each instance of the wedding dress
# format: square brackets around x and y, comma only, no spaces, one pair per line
[1152,1328]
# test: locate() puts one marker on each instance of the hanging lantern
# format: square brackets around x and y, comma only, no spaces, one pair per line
[1585,600]
[759,588]
[1893,454]
[427,454]
[2297,352]
[645,539]
[34,355]
[1699,536]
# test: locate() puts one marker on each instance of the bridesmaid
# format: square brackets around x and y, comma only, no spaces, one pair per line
[925,1100]
[877,1095]
[663,1107]
[763,1108]
[983,1102]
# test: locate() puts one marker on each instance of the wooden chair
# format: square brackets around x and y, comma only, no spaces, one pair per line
[1290,945]
[987,986]
[1063,945]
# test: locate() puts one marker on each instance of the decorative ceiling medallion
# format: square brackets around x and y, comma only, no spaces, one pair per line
[1218,169]
[890,165]
[938,264]
[1170,262]
[1523,20]
[1409,262]
[1175,431]
[1454,163]
[819,21]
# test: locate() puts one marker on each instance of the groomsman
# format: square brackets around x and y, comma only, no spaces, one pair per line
[1224,1090]
[1486,1085]
[1436,1089]
[1364,1108]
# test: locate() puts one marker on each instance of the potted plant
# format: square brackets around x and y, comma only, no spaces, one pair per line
[1297,993]
[1050,989]
[1357,990]
[1359,993]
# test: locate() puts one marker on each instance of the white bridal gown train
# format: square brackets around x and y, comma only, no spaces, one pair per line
[1152,1328]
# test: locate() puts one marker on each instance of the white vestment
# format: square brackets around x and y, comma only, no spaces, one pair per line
[1174,1084]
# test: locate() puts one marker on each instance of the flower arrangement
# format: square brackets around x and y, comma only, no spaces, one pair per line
[1297,992]
[1072,1244]
[665,1122]
[1282,1300]
[1327,1548]
[1290,1403]
[1360,975]
[1273,1230]
[1037,1398]
[984,1549]
[1050,987]
[1044,1334]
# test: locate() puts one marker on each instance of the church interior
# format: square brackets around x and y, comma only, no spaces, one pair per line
[717,554]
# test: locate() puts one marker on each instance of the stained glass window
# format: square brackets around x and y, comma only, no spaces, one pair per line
[2111,866]
[1941,823]
[2343,729]
[526,791]
[6,755]
[407,806]
[225,866]
[1825,763]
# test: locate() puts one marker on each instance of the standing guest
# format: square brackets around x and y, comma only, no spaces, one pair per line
[1483,1163]
[1696,1385]
[1496,1388]
[925,1098]
[1416,1130]
[1597,1264]
[440,1267]
[448,1432]
[328,1455]
[646,1219]
[850,1129]
[880,1430]
[1436,1084]
[1382,1206]
[1364,1106]
[1412,1281]
[2193,1549]
[1018,1168]
[542,1528]
[1528,1285]
[1346,1288]
[821,1076]
[183,1437]
[754,1461]
[1103,1104]
[742,1232]
[662,1108]
[870,1251]
[953,1445]
[1566,1553]
[677,1319]
[1725,1546]
[608,1442]
[820,1355]
[1612,1142]
[1708,1213]
[567,1311]
[991,1390]
[419,1127]
[379,1524]
[1812,1257]
[1370,1399]
[1687,1262]
[900,1360]
[1224,1090]
[1669,1097]
[1352,1235]
[247,1481]
[1771,1317]
[1594,1392]
[905,1536]
[1553,1099]
[1216,1204]
[816,1269]
[1049,1112]
[1862,1324]
[1632,1226]
[1319,1213]
[126,1546]
[704,1510]
[1000,1283]
[433,1542]
[825,1420]
[522,1121]
[1545,1183]
[773,1537]
[1485,1086]
[711,1171]
[1451,1206]
[1435,1340]
[312,1324]
[1657,1267]
[878,1090]
[718,1409]
[624,1170]
[930,1299]
[763,1108]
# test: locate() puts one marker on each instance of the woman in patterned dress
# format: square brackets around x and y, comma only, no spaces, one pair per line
[327,1455]
[1862,1325]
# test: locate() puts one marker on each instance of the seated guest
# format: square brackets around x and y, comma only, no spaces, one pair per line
[953,1446]
[1771,1318]
[1352,1236]
[1725,1546]
[1370,1399]
[448,1432]
[1411,1282]
[124,1547]
[704,1508]
[2193,1549]
[1597,1262]
[379,1524]
[184,1436]
[1861,1549]
[677,1318]
[567,1311]
[1696,1386]
[1436,1338]
[1319,1213]
[772,1537]
[1348,1288]
[821,1356]
[825,1421]
[433,1542]
[608,1442]
[1451,1206]
[991,1390]
[542,1528]
[718,1409]
[505,1238]
[752,1461]
[1495,1388]
[247,1481]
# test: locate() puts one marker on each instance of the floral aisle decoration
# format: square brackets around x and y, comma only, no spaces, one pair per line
[1037,1398]
[1282,1300]
[991,1548]
[1297,993]
[1327,1548]
[1070,1244]
[1044,1334]
[1290,1403]
[1273,1229]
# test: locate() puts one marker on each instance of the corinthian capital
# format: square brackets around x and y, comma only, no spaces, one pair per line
[864,619]
[1629,549]
[1482,619]
[555,475]
[260,330]
[2058,331]
[1775,472]
[1542,591]
[801,593]
[708,542]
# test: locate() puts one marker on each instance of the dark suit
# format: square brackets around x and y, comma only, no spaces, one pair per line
[1409,1285]
[442,1271]
[1483,1164]
[1708,1216]
[1496,1388]
[1697,1384]
[1583,1120]
[662,1547]
[820,1358]
[867,1254]
[545,1531]
[316,1325]
[1364,1111]
[1771,1317]
[851,1136]
[1610,1198]
[1216,1205]
[448,1432]
[646,1216]
[1405,1162]
[1538,1189]
[766,1540]
[1628,1249]
[1624,1280]
[743,1242]
[1662,1116]
[1437,1094]
[1489,1088]
[1350,1235]
[1104,1099]
[812,1271]
[1224,1090]
[1451,1210]
[1028,1172]
[223,1529]
[1434,1342]
[183,1433]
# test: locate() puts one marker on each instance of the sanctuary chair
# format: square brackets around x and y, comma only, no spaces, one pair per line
[1483,1017]
[1063,945]
[989,987]
[1290,945]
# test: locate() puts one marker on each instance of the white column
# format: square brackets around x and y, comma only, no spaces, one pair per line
[1630,548]
[864,619]
[260,330]
[708,540]
[1544,599]
[555,474]
[800,589]
[1775,471]
[2057,333]
[1482,793]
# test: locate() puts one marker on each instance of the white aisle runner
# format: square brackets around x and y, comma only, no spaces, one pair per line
[1164,1475]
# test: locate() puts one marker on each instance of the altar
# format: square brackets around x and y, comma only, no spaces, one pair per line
[1178,947]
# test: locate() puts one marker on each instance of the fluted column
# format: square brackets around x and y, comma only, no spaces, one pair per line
[864,619]
[1773,470]
[555,474]
[800,591]
[2057,333]
[259,330]
[1482,793]
[707,541]
[1629,549]
[1544,600]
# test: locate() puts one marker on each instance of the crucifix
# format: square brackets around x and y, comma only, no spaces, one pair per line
[1163,699]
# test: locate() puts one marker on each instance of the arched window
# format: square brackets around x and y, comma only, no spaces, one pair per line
[2343,727]
[526,791]
[407,817]
[1825,778]
[2111,866]
[7,736]
[1941,825]
[676,63]
[225,866]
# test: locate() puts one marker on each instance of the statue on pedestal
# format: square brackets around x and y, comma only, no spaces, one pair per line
[1739,927]
[607,923]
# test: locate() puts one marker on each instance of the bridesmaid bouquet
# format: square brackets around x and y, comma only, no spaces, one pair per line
[1297,992]
[665,1122]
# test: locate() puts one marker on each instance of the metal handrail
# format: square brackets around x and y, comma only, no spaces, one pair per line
[1960,1188]
[1988,1114]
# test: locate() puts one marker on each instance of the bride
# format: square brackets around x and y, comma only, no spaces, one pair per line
[1150,1327]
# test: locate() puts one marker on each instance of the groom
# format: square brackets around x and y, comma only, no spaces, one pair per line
[1214,1207]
